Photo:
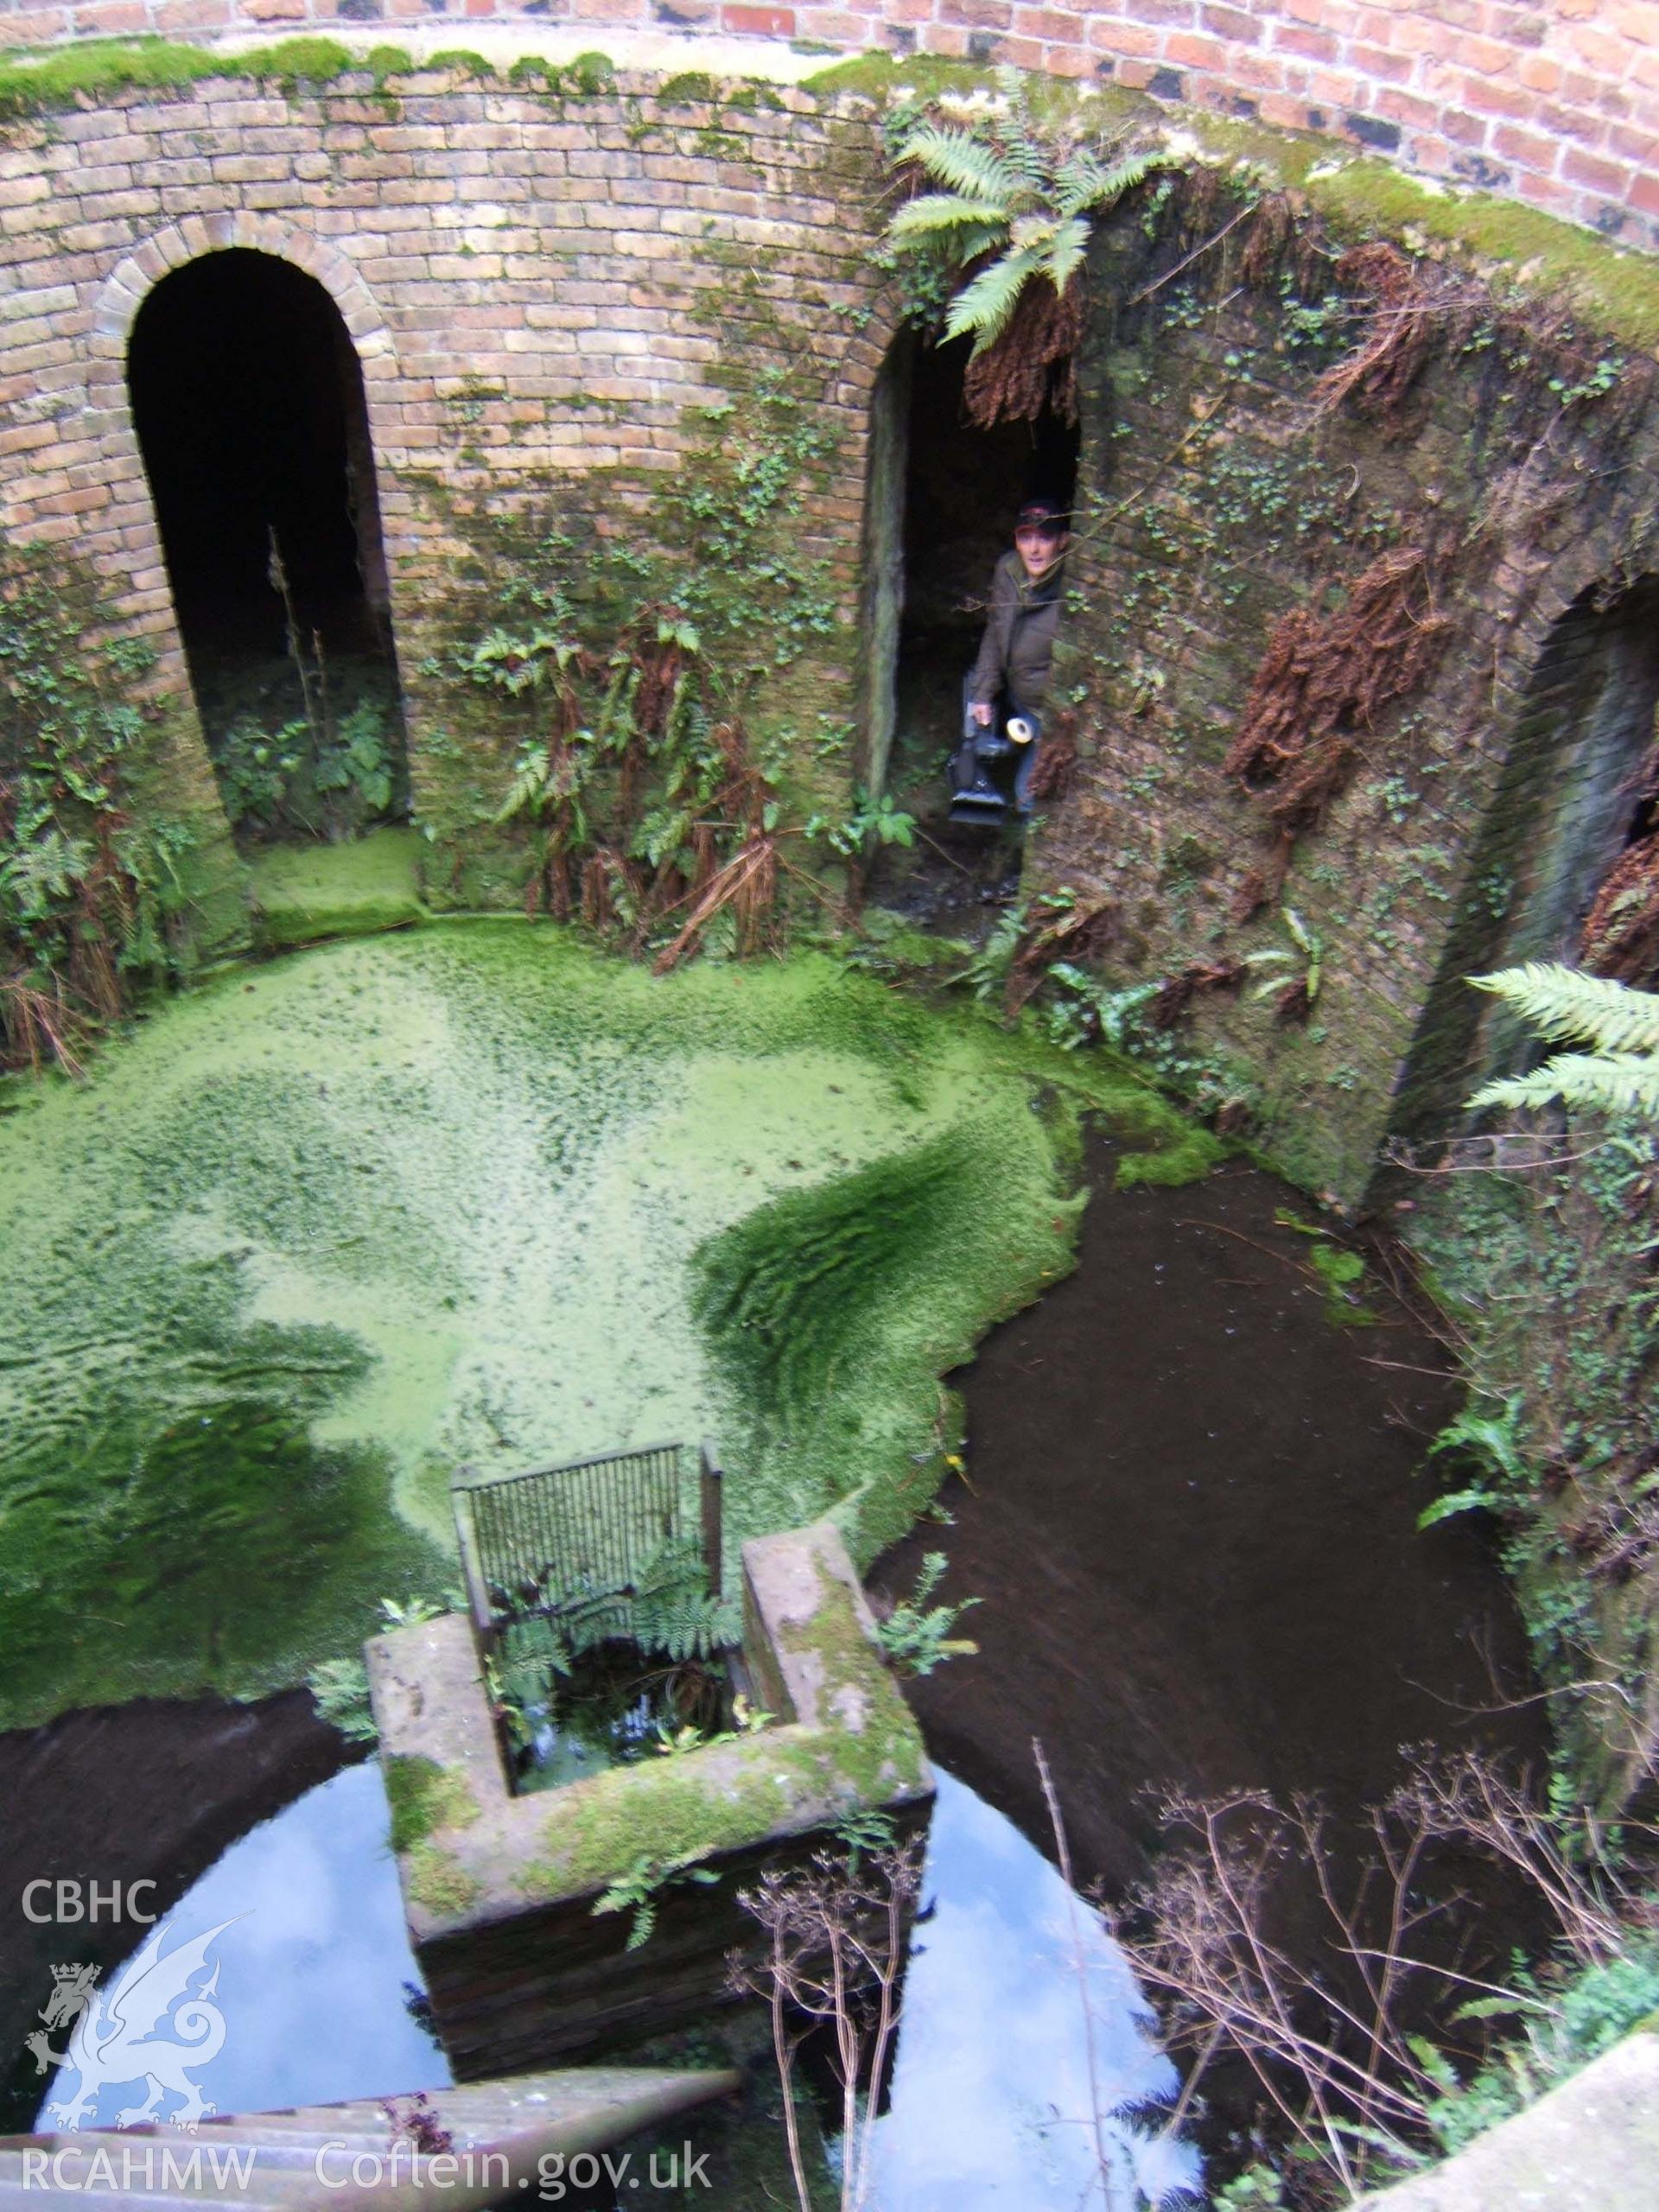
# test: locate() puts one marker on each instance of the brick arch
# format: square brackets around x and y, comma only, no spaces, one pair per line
[129,285]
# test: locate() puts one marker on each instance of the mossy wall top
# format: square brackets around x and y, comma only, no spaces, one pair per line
[1555,101]
[556,287]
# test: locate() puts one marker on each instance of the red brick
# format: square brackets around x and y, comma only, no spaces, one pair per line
[1048,24]
[980,15]
[1644,193]
[1488,98]
[1463,130]
[1125,39]
[1406,108]
[112,18]
[757,22]
[1301,39]
[1188,51]
[1230,23]
[1531,149]
[1609,177]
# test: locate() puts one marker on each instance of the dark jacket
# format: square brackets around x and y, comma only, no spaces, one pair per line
[1018,641]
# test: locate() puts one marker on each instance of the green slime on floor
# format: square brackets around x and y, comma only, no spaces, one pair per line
[314,1233]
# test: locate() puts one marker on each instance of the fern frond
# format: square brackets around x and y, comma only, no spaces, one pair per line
[985,306]
[1564,1006]
[1084,181]
[1612,1083]
[932,212]
[964,163]
[1065,253]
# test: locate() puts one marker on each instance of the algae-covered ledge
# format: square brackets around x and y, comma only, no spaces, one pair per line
[841,1742]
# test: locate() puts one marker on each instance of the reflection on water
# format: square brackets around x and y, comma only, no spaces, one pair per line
[991,2100]
[313,1969]
[991,2103]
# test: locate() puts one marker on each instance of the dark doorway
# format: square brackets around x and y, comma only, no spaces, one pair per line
[944,495]
[248,400]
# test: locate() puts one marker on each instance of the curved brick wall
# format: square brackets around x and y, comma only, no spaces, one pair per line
[1555,102]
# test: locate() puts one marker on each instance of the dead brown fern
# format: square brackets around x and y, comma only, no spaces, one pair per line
[1176,993]
[1033,367]
[1073,933]
[1621,931]
[1323,680]
[1406,319]
[1055,766]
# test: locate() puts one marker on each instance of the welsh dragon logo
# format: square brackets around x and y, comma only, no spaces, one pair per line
[114,2039]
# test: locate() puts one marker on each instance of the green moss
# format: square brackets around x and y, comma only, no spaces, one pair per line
[591,72]
[461,61]
[303,893]
[383,61]
[881,77]
[436,1879]
[691,88]
[36,81]
[1195,1155]
[295,60]
[1518,247]
[695,1807]
[424,1797]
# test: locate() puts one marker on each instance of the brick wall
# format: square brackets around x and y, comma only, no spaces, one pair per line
[542,291]
[1554,101]
[1218,496]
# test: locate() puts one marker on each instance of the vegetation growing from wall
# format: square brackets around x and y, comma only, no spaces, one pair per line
[671,770]
[94,885]
[1011,228]
[1543,1245]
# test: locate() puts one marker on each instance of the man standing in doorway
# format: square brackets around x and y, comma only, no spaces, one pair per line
[1018,646]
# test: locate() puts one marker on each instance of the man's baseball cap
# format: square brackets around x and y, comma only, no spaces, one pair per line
[1038,512]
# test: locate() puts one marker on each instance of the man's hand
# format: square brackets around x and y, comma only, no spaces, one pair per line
[981,711]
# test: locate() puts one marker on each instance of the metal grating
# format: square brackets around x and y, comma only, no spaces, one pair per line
[548,1538]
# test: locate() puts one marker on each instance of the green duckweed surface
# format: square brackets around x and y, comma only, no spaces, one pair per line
[314,1233]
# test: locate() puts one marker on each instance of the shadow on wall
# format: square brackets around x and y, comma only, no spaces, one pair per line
[1577,798]
[247,397]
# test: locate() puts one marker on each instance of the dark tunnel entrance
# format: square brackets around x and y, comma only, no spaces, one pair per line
[944,496]
[248,400]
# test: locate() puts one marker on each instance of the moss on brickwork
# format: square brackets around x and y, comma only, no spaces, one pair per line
[424,1797]
[436,1879]
[1516,247]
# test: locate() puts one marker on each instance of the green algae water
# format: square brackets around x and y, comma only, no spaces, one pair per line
[315,1233]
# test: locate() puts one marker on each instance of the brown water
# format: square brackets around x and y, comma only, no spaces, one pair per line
[1189,1516]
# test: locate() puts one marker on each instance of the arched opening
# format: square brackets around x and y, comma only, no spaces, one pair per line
[1587,740]
[1566,865]
[944,494]
[248,400]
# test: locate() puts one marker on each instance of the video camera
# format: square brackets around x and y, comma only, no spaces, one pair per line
[987,761]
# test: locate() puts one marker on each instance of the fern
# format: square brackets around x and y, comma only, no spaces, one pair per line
[1010,192]
[1619,1074]
[1610,1082]
[1564,1006]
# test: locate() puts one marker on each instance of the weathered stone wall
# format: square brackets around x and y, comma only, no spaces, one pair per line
[1221,492]
[1556,101]
[546,292]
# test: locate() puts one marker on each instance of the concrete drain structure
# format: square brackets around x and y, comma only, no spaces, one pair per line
[500,1890]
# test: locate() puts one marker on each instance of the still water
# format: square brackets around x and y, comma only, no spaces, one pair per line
[991,2098]
[315,1973]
